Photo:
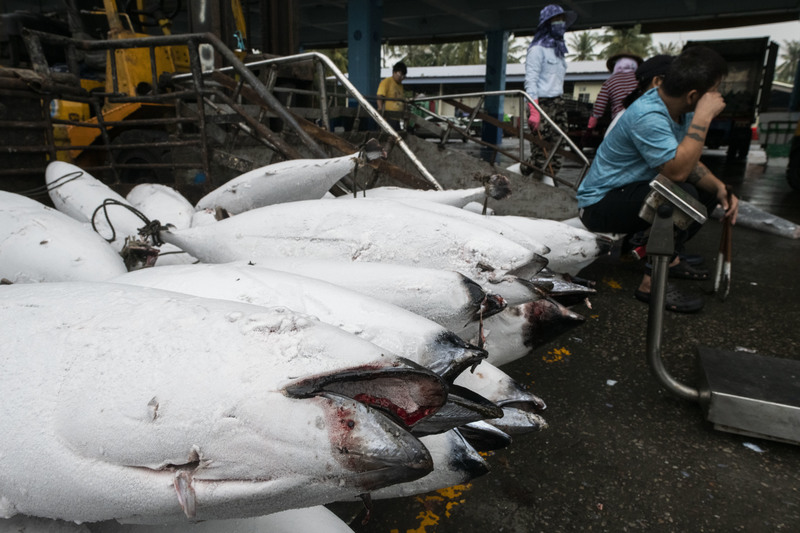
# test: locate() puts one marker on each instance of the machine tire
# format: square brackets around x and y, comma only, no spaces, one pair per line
[143,156]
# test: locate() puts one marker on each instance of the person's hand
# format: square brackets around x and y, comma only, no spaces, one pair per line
[592,123]
[533,117]
[729,202]
[710,105]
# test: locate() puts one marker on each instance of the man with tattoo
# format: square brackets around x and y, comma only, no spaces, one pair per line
[662,132]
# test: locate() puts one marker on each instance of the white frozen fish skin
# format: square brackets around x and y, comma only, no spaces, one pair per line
[316,519]
[150,406]
[399,331]
[287,181]
[371,231]
[40,244]
[489,222]
[78,194]
[453,197]
[162,203]
[571,248]
[448,298]
[203,217]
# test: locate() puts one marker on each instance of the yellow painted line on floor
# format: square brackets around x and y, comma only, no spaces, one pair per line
[614,284]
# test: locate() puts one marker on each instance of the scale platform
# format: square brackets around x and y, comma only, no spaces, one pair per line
[751,394]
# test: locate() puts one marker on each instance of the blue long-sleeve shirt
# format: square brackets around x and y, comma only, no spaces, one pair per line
[544,72]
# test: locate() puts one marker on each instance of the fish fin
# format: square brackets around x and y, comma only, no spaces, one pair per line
[186,495]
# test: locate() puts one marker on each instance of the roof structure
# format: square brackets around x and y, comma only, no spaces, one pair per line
[323,23]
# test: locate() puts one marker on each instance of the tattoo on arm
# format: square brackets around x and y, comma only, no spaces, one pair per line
[695,136]
[696,175]
[701,128]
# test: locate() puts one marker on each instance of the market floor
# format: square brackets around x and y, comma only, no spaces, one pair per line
[620,453]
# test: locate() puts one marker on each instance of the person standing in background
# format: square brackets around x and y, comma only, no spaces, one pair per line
[392,88]
[620,84]
[545,69]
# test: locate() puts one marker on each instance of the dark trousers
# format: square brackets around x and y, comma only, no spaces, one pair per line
[618,211]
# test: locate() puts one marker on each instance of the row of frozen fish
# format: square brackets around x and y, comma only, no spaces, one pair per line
[299,352]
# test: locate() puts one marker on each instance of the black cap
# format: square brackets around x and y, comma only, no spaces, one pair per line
[655,66]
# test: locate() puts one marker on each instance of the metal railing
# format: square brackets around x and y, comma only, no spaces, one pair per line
[321,63]
[574,153]
[193,96]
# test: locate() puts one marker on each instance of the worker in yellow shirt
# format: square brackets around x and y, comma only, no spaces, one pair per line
[392,87]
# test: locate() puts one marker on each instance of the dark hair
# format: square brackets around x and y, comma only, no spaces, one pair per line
[698,68]
[400,66]
[655,66]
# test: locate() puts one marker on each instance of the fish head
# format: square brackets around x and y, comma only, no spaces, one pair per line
[452,356]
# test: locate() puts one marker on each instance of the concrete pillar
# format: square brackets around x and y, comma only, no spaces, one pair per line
[496,59]
[364,45]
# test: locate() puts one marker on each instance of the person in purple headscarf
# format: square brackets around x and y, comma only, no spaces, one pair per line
[545,68]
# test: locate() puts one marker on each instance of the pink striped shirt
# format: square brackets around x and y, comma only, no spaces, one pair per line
[614,90]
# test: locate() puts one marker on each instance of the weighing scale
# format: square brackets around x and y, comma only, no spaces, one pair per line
[739,392]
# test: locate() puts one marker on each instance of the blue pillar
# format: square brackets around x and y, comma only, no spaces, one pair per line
[364,45]
[496,59]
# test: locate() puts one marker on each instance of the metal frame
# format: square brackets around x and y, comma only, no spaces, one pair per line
[574,153]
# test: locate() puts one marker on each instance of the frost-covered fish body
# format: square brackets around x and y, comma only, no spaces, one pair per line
[492,223]
[373,231]
[78,194]
[287,181]
[162,203]
[39,244]
[317,519]
[152,406]
[571,248]
[495,186]
[388,326]
[448,298]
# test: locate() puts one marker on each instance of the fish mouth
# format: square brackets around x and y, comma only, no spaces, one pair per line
[487,304]
[463,407]
[518,420]
[460,355]
[378,449]
[408,392]
[485,437]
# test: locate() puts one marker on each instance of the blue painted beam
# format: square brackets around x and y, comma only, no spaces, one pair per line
[496,58]
[364,45]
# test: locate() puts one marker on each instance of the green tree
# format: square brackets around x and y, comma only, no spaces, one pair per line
[671,49]
[630,40]
[517,49]
[790,55]
[337,55]
[582,46]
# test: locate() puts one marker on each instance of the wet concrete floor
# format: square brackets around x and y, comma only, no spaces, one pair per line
[620,453]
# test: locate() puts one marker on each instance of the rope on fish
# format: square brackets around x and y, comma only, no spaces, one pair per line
[55,184]
[150,229]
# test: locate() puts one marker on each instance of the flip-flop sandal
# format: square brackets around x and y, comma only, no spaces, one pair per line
[684,270]
[675,300]
[692,259]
